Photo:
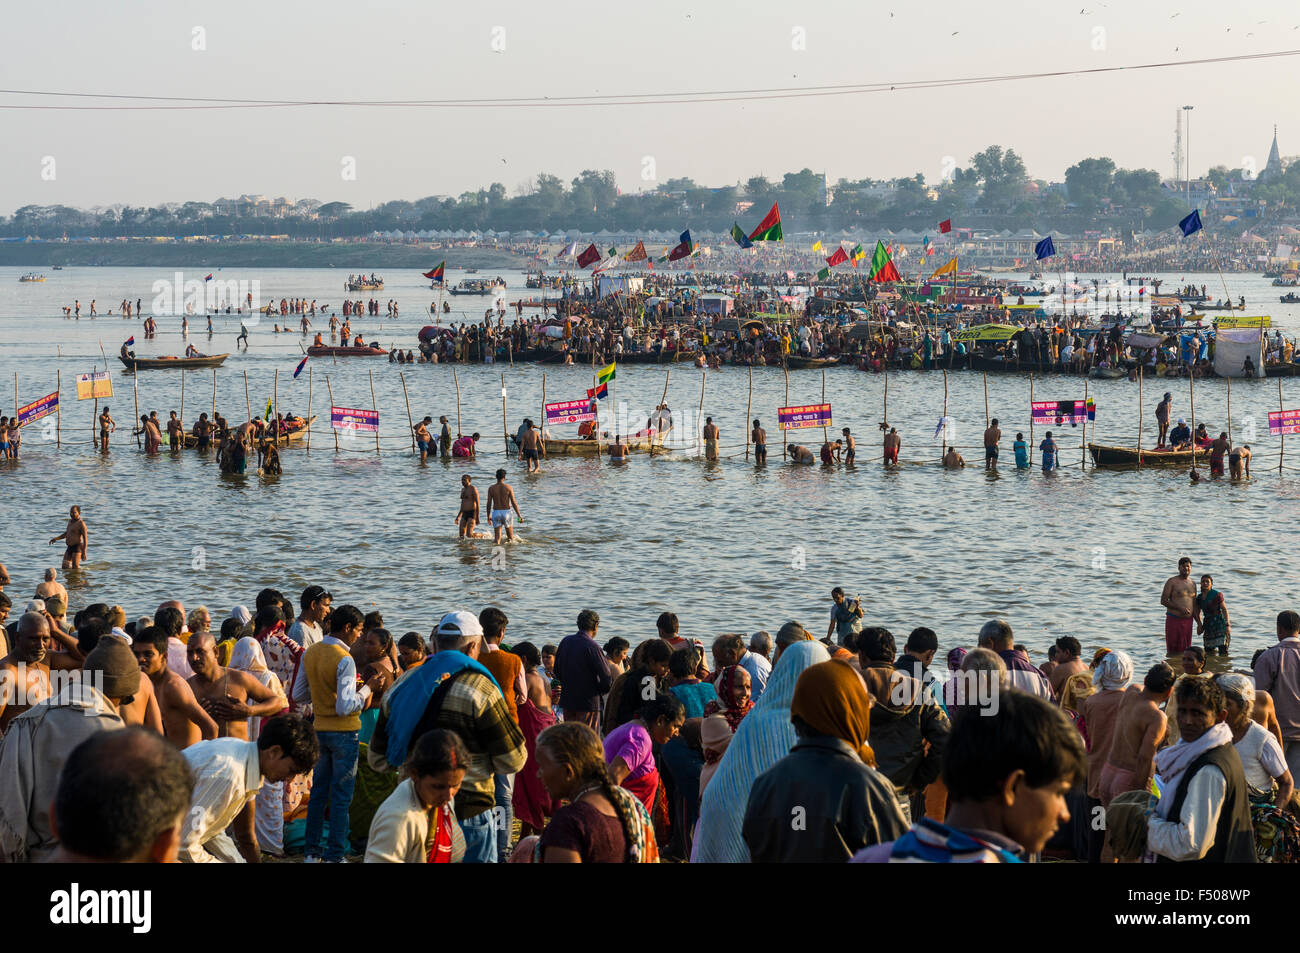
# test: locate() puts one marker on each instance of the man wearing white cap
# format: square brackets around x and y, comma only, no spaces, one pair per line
[452,690]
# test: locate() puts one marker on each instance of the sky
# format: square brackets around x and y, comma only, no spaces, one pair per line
[421,50]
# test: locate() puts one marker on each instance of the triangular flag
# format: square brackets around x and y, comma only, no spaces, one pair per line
[269,407]
[637,254]
[817,246]
[838,258]
[437,273]
[769,229]
[301,365]
[1045,248]
[882,269]
[948,269]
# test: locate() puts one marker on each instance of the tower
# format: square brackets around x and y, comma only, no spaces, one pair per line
[1178,145]
[1273,168]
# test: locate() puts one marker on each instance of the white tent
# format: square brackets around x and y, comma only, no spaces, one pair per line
[1231,348]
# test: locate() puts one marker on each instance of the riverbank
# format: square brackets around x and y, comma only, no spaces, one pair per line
[367,256]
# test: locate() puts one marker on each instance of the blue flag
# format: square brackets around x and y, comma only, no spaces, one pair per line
[301,365]
[741,238]
[1192,223]
[1045,248]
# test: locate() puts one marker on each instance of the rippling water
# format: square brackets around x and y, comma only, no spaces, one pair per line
[726,546]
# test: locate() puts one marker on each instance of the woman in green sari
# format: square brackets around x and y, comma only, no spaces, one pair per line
[1211,615]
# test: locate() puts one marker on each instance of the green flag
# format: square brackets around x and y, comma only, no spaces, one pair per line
[823,274]
[613,252]
[268,409]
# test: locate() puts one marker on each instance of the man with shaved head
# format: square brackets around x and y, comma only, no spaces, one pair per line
[25,671]
[184,720]
[230,696]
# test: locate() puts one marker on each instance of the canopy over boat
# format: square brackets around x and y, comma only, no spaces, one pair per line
[988,332]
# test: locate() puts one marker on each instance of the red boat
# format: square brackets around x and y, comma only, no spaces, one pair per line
[328,350]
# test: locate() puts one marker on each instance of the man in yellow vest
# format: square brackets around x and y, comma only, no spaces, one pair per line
[328,679]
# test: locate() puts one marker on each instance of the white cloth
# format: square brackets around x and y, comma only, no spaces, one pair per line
[227,774]
[1192,834]
[348,700]
[1261,757]
[176,660]
[759,669]
[306,634]
[268,819]
[1170,763]
[1114,671]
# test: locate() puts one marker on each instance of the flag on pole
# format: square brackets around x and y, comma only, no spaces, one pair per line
[208,276]
[637,254]
[769,229]
[1192,223]
[817,246]
[436,274]
[301,365]
[739,235]
[597,393]
[882,269]
[130,342]
[684,247]
[613,252]
[945,226]
[1045,248]
[1092,409]
[948,269]
[838,258]
[570,251]
[823,274]
[269,408]
[590,255]
[606,374]
[927,245]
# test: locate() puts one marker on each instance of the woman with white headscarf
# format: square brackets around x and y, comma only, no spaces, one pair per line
[268,817]
[764,737]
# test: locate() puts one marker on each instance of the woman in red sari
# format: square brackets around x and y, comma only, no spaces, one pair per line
[533,804]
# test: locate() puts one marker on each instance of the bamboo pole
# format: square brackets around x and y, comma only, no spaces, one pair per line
[309,408]
[1083,446]
[825,438]
[330,388]
[248,403]
[542,418]
[275,402]
[1031,418]
[785,370]
[945,413]
[182,408]
[16,398]
[374,405]
[1191,386]
[1139,443]
[986,399]
[749,403]
[58,410]
[94,420]
[456,378]
[214,394]
[505,426]
[135,391]
[699,416]
[1281,450]
[409,420]
[1230,411]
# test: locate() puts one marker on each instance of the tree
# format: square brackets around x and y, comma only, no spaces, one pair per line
[1002,175]
[758,187]
[332,211]
[1088,182]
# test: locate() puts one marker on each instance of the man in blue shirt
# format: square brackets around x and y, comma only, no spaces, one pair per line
[581,668]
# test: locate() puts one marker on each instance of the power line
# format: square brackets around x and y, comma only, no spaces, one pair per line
[621,99]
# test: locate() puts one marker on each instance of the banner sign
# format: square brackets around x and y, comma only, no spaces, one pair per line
[93,385]
[38,409]
[800,418]
[1055,413]
[570,412]
[347,418]
[1283,421]
[1231,321]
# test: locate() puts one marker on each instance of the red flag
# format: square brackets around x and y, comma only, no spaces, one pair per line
[588,256]
[769,229]
[839,258]
[945,226]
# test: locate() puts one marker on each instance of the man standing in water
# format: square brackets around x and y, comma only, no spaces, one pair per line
[501,498]
[850,446]
[1179,599]
[1162,417]
[892,442]
[467,515]
[759,439]
[106,425]
[991,438]
[444,439]
[423,439]
[75,539]
[711,435]
[532,448]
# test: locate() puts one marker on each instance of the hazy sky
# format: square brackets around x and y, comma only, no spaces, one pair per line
[405,49]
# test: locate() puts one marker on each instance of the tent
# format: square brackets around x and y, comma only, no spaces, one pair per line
[1231,348]
[716,304]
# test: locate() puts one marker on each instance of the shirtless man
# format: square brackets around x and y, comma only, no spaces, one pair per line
[617,450]
[1218,450]
[50,587]
[759,439]
[501,498]
[106,425]
[532,448]
[467,513]
[183,718]
[74,538]
[1239,461]
[1179,598]
[711,434]
[423,439]
[1140,726]
[227,694]
[25,671]
[892,444]
[952,460]
[992,436]
[800,454]
[850,446]
[175,433]
[830,452]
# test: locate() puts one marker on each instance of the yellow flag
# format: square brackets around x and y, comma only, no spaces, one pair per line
[817,246]
[949,269]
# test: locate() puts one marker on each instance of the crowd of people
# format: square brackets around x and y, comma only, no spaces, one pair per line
[309,730]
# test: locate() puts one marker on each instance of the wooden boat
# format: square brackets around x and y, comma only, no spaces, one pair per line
[796,362]
[590,448]
[1124,457]
[295,433]
[31,276]
[659,357]
[329,350]
[1282,369]
[364,285]
[1108,373]
[1290,298]
[173,363]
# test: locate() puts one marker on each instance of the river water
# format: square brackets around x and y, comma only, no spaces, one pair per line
[726,546]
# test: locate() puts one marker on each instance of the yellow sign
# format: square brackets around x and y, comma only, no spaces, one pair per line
[94,385]
[1230,321]
[987,332]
